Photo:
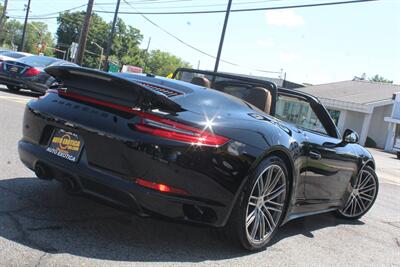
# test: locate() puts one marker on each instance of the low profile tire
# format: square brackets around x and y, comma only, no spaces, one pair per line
[363,195]
[259,209]
[13,88]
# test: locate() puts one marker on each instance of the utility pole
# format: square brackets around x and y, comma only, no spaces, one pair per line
[3,16]
[111,37]
[221,42]
[22,46]
[146,55]
[84,34]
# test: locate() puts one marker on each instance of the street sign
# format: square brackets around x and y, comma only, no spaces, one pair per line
[113,67]
[73,50]
[131,69]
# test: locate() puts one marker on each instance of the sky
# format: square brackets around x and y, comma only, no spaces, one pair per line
[310,45]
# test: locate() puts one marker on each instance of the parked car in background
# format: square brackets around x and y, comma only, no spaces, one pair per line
[12,55]
[28,73]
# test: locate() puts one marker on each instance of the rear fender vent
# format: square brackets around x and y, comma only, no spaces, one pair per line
[165,91]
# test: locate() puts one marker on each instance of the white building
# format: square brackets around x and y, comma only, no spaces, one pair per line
[359,105]
[393,135]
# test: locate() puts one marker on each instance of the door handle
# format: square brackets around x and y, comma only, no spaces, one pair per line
[315,155]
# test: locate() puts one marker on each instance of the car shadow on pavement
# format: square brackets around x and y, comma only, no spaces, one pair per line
[21,92]
[38,214]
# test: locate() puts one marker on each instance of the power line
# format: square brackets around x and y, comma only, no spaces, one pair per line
[206,11]
[238,10]
[189,45]
[53,13]
[191,6]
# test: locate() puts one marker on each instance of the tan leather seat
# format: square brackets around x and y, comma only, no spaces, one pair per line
[259,97]
[201,81]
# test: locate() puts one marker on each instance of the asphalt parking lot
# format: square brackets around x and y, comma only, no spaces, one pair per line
[40,225]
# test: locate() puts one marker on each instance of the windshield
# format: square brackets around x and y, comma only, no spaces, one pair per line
[259,93]
[38,61]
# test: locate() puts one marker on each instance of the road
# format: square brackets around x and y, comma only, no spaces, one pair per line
[40,225]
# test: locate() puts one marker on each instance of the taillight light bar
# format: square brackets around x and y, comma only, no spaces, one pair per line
[172,130]
[156,125]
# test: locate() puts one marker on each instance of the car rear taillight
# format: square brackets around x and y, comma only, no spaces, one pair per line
[158,126]
[161,187]
[31,72]
[172,130]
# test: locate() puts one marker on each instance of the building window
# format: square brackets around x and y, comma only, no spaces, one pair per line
[335,114]
[299,113]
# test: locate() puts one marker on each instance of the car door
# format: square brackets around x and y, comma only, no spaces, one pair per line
[330,162]
[330,166]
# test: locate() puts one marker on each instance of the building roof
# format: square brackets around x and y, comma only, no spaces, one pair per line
[357,91]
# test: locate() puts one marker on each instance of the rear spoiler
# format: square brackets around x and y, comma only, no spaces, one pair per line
[110,88]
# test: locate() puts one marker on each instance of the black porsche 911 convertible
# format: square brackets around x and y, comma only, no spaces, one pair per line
[208,148]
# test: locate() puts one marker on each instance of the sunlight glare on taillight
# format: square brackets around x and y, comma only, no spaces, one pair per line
[177,131]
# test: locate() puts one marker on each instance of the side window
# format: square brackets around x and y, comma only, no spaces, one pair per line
[298,112]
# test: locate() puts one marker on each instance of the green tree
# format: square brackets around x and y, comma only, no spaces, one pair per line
[38,38]
[126,40]
[68,31]
[126,43]
[163,63]
[378,78]
[12,34]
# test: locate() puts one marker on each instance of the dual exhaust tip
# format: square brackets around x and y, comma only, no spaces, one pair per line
[44,172]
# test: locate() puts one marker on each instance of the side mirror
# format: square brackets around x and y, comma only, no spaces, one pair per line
[350,137]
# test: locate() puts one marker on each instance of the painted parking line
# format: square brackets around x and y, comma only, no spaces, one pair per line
[21,100]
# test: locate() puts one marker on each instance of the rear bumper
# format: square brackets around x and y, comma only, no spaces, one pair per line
[22,83]
[122,191]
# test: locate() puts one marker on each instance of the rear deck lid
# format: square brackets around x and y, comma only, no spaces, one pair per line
[108,87]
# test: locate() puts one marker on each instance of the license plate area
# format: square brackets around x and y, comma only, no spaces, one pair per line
[67,145]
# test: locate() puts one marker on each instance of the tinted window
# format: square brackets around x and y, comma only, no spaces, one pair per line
[38,61]
[13,54]
[298,112]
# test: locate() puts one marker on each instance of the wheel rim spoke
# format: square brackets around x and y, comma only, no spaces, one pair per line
[366,180]
[250,218]
[274,203]
[367,188]
[272,208]
[362,205]
[265,204]
[366,197]
[253,201]
[275,181]
[276,192]
[262,225]
[256,224]
[267,220]
[260,186]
